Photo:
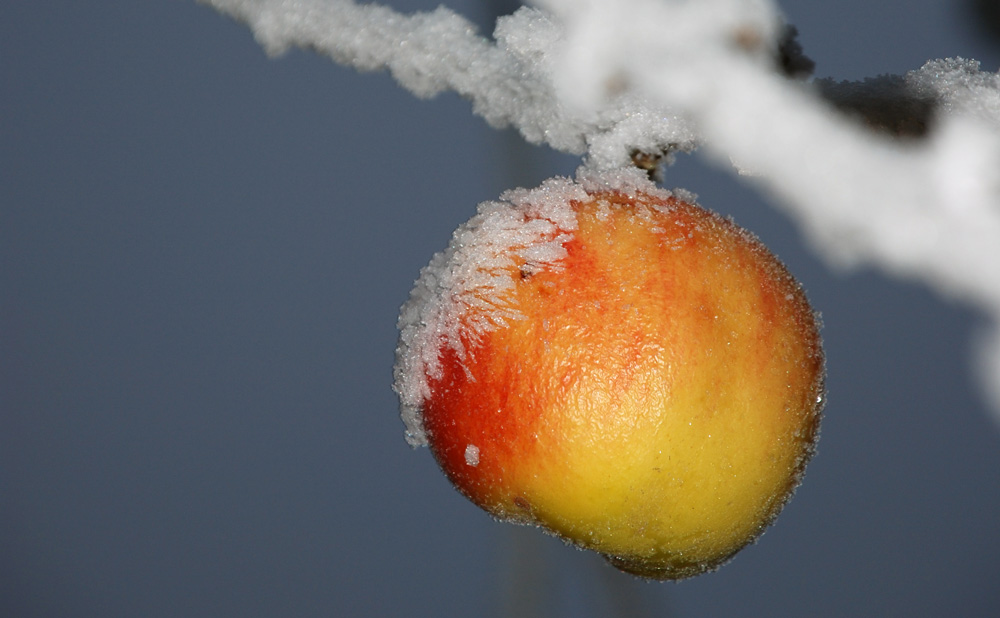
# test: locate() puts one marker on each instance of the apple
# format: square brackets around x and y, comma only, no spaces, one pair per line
[617,365]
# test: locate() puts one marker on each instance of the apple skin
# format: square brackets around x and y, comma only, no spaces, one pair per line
[655,398]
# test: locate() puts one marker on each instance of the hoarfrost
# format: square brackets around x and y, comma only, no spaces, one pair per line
[474,273]
[472,455]
[607,78]
[508,80]
[464,291]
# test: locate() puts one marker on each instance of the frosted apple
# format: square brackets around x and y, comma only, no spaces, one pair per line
[625,369]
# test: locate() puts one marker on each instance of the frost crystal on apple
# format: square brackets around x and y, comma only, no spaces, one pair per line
[463,291]
[607,78]
[472,455]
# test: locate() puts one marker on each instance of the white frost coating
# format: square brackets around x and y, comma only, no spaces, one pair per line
[463,292]
[604,77]
[472,455]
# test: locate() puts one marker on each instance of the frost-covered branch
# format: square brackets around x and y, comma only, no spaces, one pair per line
[606,78]
[507,80]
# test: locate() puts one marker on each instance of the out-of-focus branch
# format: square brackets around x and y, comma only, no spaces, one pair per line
[986,16]
[927,210]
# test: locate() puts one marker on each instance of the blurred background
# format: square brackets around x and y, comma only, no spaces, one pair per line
[202,254]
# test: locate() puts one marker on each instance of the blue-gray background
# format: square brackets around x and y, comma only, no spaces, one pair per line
[202,252]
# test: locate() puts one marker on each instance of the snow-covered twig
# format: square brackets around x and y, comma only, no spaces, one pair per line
[607,78]
[509,81]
